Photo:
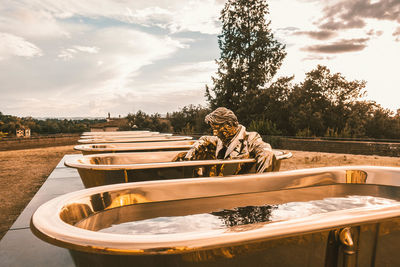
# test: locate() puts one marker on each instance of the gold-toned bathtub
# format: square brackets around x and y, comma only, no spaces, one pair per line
[117,135]
[365,236]
[155,138]
[114,133]
[112,168]
[133,147]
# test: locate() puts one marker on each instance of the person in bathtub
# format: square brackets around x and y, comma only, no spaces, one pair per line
[231,141]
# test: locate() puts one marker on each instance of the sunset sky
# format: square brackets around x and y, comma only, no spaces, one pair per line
[87,58]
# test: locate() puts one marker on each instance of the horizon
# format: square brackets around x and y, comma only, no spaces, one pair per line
[62,59]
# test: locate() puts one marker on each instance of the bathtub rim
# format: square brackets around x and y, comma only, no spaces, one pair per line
[48,228]
[74,163]
[114,132]
[78,164]
[157,138]
[123,147]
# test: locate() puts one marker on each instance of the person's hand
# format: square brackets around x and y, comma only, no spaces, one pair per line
[179,157]
[195,150]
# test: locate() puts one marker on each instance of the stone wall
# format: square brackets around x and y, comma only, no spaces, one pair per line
[345,147]
[38,141]
[317,145]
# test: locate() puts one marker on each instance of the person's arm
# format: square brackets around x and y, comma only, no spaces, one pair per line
[204,148]
[262,152]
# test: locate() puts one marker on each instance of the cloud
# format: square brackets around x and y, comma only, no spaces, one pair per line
[319,35]
[29,23]
[179,85]
[87,49]
[105,62]
[352,23]
[353,13]
[43,16]
[198,72]
[201,16]
[12,45]
[342,46]
[95,54]
[149,101]
[69,53]
[195,16]
[397,34]
[373,32]
[316,57]
[124,52]
[289,29]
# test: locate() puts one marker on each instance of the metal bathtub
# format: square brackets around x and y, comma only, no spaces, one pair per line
[122,136]
[350,237]
[112,168]
[114,133]
[133,147]
[155,138]
[118,135]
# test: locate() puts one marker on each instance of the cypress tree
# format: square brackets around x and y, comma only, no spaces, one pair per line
[250,56]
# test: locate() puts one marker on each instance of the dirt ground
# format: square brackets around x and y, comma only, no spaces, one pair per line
[22,172]
[304,159]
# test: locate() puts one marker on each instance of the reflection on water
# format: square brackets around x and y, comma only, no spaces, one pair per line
[168,225]
[245,215]
[226,218]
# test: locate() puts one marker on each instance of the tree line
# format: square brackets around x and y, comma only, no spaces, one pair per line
[9,124]
[188,120]
[325,104]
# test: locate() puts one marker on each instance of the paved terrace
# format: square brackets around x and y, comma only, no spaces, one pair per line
[19,247]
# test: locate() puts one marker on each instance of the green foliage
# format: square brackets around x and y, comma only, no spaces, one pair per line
[9,124]
[264,127]
[141,121]
[250,56]
[274,104]
[304,133]
[382,123]
[323,101]
[3,135]
[274,141]
[189,120]
[346,132]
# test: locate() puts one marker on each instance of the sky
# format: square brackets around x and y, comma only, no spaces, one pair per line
[87,58]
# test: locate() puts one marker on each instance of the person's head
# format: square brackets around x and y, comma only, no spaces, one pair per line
[223,122]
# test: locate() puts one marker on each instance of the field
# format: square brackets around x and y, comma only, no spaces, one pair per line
[22,172]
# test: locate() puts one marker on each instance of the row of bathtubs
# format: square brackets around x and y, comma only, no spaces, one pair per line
[138,210]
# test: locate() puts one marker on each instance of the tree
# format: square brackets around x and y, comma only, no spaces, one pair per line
[250,56]
[140,120]
[383,124]
[323,101]
[273,104]
[361,113]
[189,120]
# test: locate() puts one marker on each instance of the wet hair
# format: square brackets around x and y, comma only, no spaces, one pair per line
[222,115]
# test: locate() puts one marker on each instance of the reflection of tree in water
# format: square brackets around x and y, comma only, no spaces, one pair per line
[245,215]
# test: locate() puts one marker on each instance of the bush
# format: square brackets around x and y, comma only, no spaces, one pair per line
[264,127]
